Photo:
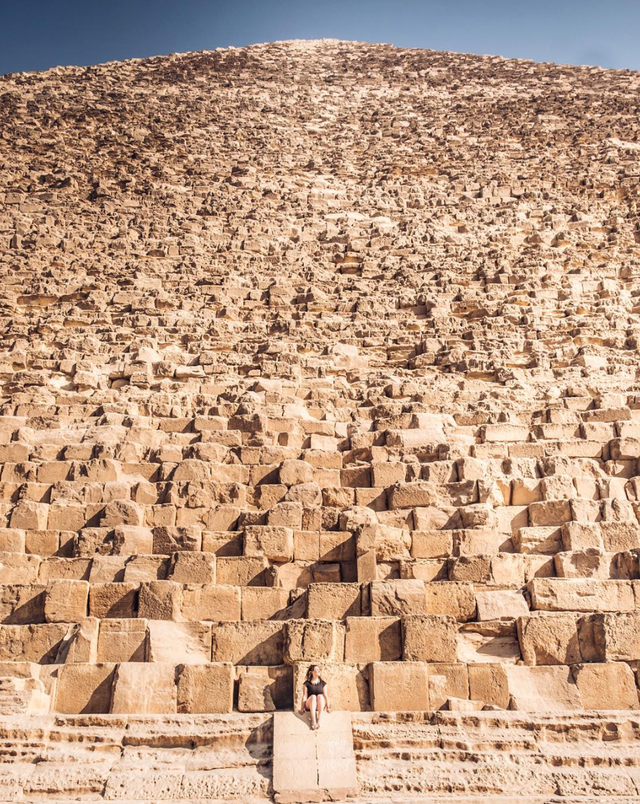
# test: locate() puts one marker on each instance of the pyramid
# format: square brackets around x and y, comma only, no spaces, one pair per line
[320,352]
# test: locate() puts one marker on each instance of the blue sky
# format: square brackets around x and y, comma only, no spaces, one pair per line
[37,34]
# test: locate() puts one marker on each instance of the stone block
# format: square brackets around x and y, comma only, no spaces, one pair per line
[616,636]
[204,688]
[32,643]
[334,601]
[160,600]
[447,681]
[549,638]
[581,594]
[314,641]
[181,643]
[168,540]
[501,604]
[84,689]
[254,693]
[377,639]
[241,570]
[489,683]
[397,597]
[211,602]
[542,689]
[145,689]
[187,567]
[260,642]
[429,638]
[606,686]
[265,603]
[122,641]
[66,601]
[118,600]
[399,686]
[431,543]
[21,604]
[457,599]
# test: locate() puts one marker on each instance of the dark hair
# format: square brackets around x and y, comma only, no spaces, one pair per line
[310,672]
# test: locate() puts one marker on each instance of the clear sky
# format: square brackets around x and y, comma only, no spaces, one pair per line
[37,34]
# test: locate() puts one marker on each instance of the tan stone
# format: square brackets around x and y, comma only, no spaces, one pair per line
[66,601]
[84,688]
[606,686]
[429,638]
[204,688]
[399,686]
[377,639]
[141,688]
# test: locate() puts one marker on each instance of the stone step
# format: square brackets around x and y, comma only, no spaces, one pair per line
[313,765]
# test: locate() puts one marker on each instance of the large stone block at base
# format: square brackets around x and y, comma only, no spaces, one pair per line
[542,689]
[399,686]
[84,689]
[606,686]
[148,689]
[205,688]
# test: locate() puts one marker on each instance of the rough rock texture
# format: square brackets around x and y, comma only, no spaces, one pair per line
[322,352]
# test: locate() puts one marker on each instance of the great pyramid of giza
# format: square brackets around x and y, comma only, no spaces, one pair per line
[320,352]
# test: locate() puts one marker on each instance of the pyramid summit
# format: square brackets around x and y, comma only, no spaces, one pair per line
[319,352]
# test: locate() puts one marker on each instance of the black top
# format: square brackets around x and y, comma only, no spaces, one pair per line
[315,689]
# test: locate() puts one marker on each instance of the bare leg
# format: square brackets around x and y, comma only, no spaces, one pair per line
[311,706]
[320,708]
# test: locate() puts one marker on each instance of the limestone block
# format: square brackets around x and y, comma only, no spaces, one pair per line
[254,693]
[29,515]
[181,643]
[278,679]
[472,569]
[333,601]
[431,543]
[122,641]
[388,543]
[81,643]
[399,686]
[395,598]
[22,603]
[429,638]
[113,600]
[577,594]
[32,643]
[262,603]
[259,642]
[456,599]
[447,681]
[501,604]
[273,542]
[386,474]
[122,512]
[204,688]
[549,638]
[589,563]
[504,432]
[132,540]
[145,568]
[488,642]
[582,535]
[160,600]
[189,567]
[542,540]
[416,495]
[84,689]
[66,601]
[550,513]
[168,540]
[148,689]
[616,636]
[334,545]
[606,686]
[314,641]
[293,472]
[241,570]
[347,685]
[18,568]
[489,683]
[542,689]
[377,639]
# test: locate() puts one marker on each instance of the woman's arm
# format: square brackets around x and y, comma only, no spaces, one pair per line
[326,698]
[304,698]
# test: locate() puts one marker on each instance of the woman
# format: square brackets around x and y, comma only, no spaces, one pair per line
[314,696]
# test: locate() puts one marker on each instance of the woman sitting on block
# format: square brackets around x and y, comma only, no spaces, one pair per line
[314,696]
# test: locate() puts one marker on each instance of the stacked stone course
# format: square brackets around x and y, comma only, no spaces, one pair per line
[319,352]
